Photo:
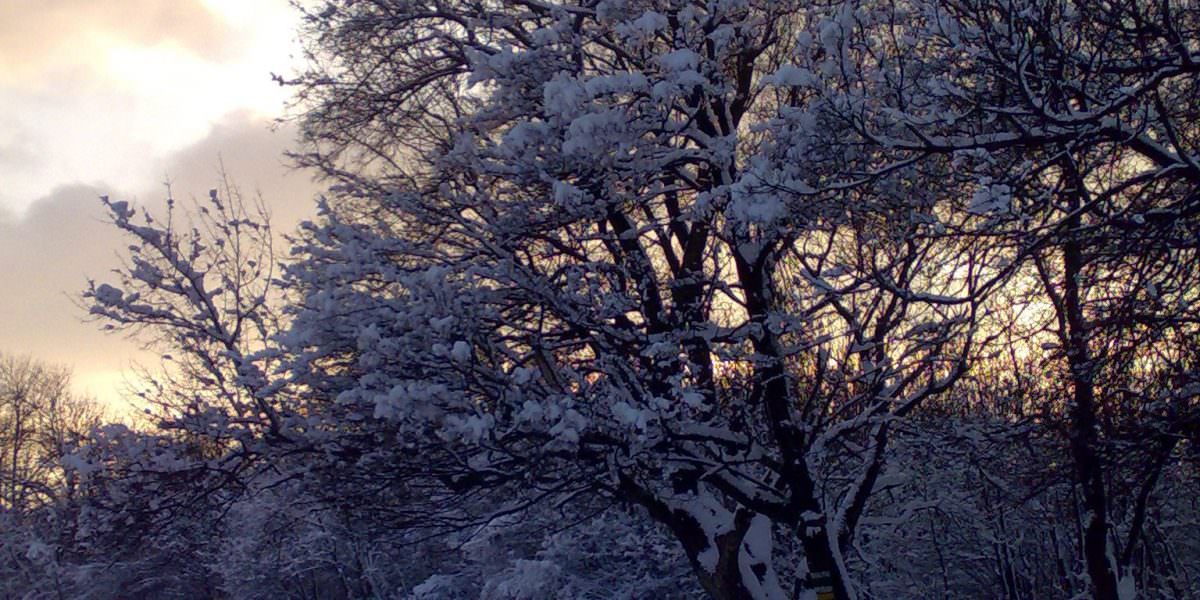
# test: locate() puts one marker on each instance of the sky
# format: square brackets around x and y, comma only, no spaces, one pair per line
[115,97]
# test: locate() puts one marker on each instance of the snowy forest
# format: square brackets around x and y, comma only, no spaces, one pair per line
[638,299]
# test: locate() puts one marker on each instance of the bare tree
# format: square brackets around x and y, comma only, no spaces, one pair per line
[41,421]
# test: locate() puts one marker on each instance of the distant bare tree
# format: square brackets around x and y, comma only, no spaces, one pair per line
[39,421]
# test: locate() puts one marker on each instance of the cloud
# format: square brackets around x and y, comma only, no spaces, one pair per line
[112,97]
[48,252]
[17,152]
[45,256]
[252,152]
[40,34]
[94,90]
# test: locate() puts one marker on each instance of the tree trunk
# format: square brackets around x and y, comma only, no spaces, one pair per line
[1089,468]
[825,580]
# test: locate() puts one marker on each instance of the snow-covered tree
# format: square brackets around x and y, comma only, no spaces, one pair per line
[197,286]
[612,248]
[1076,121]
[41,423]
[662,298]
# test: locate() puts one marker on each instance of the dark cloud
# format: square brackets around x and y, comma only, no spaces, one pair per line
[44,257]
[251,151]
[49,252]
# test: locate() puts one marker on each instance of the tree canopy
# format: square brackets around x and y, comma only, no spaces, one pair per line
[736,299]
